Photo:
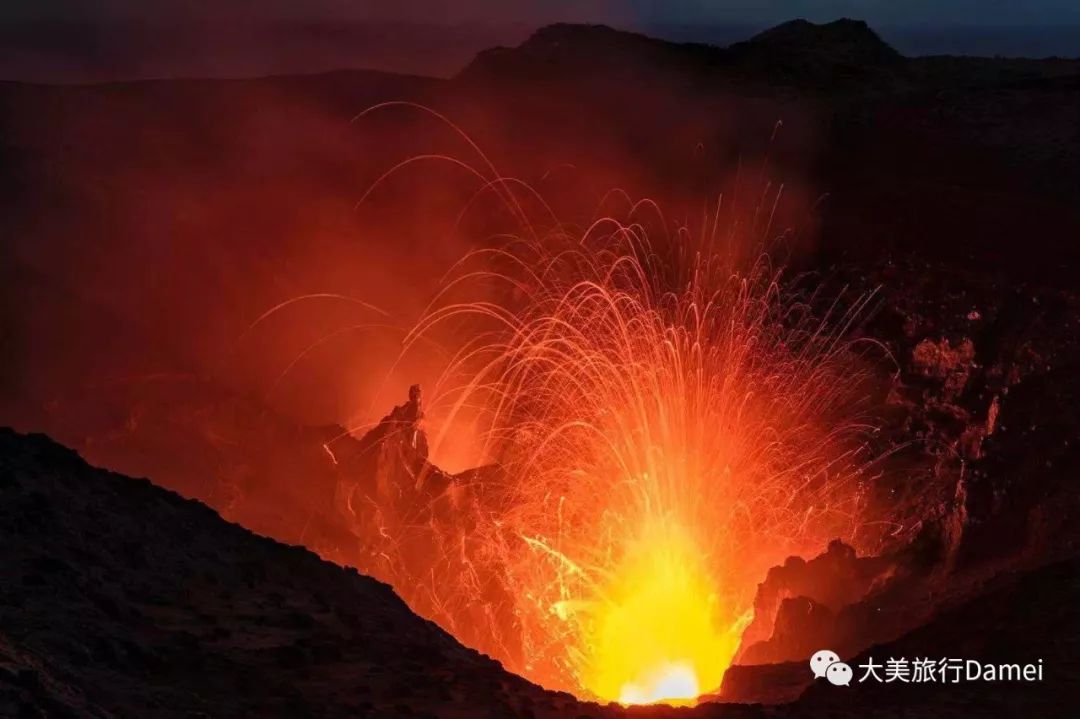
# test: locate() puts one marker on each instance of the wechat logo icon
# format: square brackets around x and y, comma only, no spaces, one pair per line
[826,663]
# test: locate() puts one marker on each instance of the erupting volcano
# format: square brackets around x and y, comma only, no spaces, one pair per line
[574,413]
[669,420]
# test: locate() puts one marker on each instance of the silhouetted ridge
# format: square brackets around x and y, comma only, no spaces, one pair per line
[561,49]
[795,53]
[842,42]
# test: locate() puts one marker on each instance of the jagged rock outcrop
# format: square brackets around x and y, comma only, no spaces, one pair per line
[797,602]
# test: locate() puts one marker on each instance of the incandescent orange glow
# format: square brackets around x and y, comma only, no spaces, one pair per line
[658,633]
[671,426]
[671,417]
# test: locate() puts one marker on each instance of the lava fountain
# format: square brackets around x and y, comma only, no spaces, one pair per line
[671,416]
[671,425]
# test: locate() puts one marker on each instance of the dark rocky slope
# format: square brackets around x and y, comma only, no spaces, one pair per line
[122,599]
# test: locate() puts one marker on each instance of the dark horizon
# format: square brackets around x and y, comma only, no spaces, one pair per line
[105,49]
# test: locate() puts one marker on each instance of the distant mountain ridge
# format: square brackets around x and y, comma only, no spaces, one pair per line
[842,42]
[797,52]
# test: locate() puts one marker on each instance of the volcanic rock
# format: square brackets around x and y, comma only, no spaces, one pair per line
[1021,498]
[123,599]
[943,361]
[1013,617]
[796,604]
[1017,618]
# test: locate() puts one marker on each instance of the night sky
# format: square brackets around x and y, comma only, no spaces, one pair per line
[981,12]
[76,40]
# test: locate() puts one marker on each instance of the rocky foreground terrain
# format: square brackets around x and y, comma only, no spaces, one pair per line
[121,599]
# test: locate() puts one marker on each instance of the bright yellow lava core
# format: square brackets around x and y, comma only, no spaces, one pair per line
[659,634]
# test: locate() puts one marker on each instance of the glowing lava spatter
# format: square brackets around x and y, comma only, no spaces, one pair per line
[670,429]
[672,418]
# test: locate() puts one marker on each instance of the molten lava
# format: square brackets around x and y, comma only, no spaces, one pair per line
[671,417]
[670,428]
[658,632]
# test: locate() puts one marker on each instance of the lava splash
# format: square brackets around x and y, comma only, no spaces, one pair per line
[671,425]
[657,632]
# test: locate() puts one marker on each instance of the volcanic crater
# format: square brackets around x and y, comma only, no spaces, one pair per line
[121,597]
